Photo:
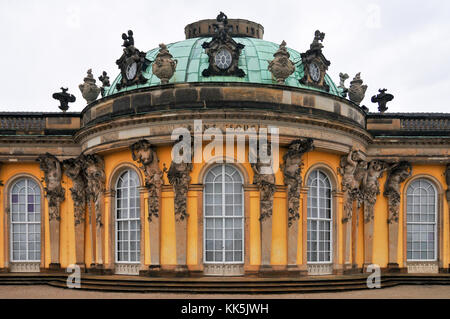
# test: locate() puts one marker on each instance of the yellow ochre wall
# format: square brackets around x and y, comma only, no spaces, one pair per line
[168,236]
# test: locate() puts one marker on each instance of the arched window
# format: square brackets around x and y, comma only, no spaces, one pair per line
[128,223]
[25,203]
[421,221]
[223,216]
[319,246]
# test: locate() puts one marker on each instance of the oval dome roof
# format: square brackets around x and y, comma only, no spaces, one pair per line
[254,60]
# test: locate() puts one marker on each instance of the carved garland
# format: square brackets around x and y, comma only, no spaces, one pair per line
[144,153]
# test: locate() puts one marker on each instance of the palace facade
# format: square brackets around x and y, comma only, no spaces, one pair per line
[100,188]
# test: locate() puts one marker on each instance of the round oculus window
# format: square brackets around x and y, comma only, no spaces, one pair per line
[223,59]
[314,72]
[131,70]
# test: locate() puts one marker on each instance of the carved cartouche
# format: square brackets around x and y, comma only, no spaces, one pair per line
[281,66]
[164,66]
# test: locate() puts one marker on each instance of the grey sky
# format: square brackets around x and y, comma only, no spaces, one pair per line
[398,45]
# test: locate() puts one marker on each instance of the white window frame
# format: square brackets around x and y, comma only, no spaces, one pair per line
[26,223]
[318,219]
[116,220]
[436,237]
[224,217]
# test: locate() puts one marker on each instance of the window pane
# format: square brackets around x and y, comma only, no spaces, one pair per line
[223,215]
[25,228]
[319,218]
[128,217]
[421,216]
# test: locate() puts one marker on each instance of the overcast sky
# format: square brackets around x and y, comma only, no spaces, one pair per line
[403,46]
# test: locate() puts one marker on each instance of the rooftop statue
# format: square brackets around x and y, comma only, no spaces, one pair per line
[104,78]
[357,90]
[223,51]
[64,98]
[315,64]
[342,78]
[89,89]
[164,66]
[132,63]
[281,67]
[318,38]
[382,98]
[128,40]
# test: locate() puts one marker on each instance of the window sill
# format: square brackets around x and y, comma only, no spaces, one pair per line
[127,269]
[320,269]
[24,266]
[422,267]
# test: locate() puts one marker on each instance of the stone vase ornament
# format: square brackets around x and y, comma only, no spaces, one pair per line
[164,66]
[281,67]
[89,90]
[357,90]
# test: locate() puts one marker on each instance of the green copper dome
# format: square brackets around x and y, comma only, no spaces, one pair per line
[254,60]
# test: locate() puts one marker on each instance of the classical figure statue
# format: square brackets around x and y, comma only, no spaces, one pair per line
[398,173]
[54,192]
[164,66]
[342,78]
[73,168]
[264,178]
[179,177]
[357,90]
[292,168]
[371,186]
[94,168]
[143,153]
[89,89]
[104,78]
[281,66]
[352,168]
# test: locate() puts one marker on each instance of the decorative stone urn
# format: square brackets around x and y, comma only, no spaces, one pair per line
[89,89]
[357,91]
[281,67]
[164,66]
